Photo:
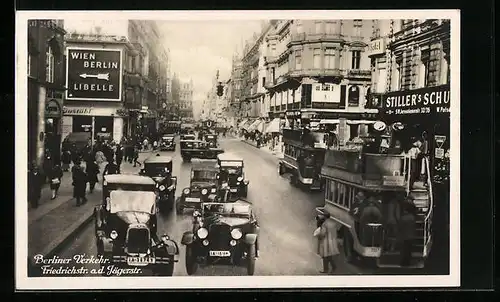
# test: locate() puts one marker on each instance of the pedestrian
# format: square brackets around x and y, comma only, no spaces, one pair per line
[92,172]
[111,168]
[407,228]
[136,157]
[55,176]
[414,154]
[79,184]
[327,248]
[66,160]
[155,145]
[145,143]
[119,156]
[369,215]
[48,164]
[35,182]
[392,219]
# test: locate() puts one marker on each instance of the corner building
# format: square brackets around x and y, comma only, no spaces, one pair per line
[320,69]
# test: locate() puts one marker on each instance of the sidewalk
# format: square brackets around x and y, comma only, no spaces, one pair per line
[55,221]
[277,154]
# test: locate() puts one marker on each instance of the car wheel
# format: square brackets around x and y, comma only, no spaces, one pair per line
[171,200]
[179,208]
[251,260]
[349,253]
[168,270]
[191,265]
[294,180]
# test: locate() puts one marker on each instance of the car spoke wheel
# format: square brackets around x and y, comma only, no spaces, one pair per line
[191,265]
[168,270]
[281,170]
[251,260]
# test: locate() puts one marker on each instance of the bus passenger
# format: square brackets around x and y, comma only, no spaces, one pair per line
[407,227]
[369,214]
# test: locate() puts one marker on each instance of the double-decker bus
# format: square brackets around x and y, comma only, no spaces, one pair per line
[385,179]
[303,156]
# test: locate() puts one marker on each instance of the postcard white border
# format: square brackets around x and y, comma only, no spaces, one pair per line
[57,283]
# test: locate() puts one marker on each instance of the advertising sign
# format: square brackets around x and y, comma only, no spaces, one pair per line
[376,47]
[326,96]
[94,74]
[425,101]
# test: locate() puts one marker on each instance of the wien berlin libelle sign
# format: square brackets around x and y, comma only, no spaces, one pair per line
[94,74]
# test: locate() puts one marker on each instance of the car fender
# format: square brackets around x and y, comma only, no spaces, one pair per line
[246,182]
[250,238]
[187,238]
[107,244]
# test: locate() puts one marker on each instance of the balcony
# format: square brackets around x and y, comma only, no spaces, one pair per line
[316,72]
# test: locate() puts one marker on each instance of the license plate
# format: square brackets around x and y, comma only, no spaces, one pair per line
[308,181]
[234,190]
[140,261]
[372,251]
[192,199]
[220,253]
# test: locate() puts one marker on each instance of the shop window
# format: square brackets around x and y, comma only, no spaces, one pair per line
[298,60]
[317,58]
[330,58]
[356,59]
[49,65]
[353,98]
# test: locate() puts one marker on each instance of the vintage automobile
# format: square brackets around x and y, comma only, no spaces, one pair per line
[167,142]
[198,149]
[203,185]
[159,168]
[126,227]
[211,140]
[187,137]
[224,232]
[231,172]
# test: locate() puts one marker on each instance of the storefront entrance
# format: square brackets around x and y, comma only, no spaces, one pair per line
[53,117]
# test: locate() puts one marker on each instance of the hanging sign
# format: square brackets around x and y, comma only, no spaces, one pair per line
[94,74]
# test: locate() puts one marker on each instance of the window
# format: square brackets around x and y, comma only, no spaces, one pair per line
[29,64]
[298,60]
[317,58]
[299,27]
[357,26]
[273,48]
[263,81]
[331,28]
[317,27]
[399,75]
[325,87]
[356,59]
[49,60]
[431,62]
[330,58]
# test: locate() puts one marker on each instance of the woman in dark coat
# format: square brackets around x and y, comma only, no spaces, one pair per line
[66,160]
[119,156]
[55,176]
[35,182]
[92,172]
[79,184]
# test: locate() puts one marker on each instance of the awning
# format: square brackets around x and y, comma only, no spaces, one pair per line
[261,127]
[242,123]
[274,126]
[254,125]
[329,121]
[357,122]
[247,124]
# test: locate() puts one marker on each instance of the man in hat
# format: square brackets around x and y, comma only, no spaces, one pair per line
[327,248]
[406,229]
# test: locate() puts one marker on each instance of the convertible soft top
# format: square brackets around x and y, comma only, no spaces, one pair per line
[158,159]
[129,179]
[229,157]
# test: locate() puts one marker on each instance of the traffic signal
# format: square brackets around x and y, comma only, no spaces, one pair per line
[220,89]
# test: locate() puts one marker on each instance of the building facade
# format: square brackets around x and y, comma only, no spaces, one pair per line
[46,86]
[186,100]
[411,82]
[320,69]
[235,90]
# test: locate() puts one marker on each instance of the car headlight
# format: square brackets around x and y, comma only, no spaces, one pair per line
[236,233]
[213,190]
[186,191]
[162,188]
[202,233]
[204,191]
[105,182]
[113,234]
[165,238]
[240,178]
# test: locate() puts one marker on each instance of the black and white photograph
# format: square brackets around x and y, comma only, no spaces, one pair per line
[236,149]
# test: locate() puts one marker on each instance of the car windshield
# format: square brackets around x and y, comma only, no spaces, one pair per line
[168,138]
[226,209]
[156,169]
[204,175]
[132,201]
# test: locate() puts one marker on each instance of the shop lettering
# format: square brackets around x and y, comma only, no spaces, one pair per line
[88,63]
[93,87]
[413,100]
[77,111]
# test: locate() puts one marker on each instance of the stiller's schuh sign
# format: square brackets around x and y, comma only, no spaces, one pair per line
[424,101]
[94,74]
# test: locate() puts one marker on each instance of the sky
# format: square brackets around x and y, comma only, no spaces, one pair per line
[197,48]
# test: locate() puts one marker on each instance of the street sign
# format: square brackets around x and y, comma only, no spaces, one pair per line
[94,74]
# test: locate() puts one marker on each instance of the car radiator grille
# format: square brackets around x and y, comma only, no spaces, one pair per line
[219,236]
[138,240]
